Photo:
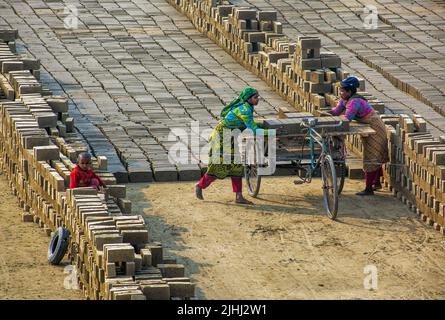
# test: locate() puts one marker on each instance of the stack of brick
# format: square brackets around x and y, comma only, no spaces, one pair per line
[18,73]
[114,256]
[416,172]
[39,151]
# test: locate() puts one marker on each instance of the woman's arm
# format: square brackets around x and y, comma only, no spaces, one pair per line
[338,110]
[246,115]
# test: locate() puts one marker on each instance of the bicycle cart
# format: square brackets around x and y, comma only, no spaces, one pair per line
[317,150]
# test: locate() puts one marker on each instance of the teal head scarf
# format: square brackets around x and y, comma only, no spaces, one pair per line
[242,98]
[247,93]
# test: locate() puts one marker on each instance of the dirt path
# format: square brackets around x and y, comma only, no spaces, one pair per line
[285,247]
[24,271]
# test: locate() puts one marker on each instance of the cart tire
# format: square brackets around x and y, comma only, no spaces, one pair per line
[253,180]
[58,245]
[341,174]
[330,191]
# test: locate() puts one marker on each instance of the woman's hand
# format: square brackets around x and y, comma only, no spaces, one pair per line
[325,113]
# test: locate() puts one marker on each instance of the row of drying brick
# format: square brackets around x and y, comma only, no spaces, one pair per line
[416,172]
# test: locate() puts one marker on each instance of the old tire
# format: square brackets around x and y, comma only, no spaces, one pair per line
[58,245]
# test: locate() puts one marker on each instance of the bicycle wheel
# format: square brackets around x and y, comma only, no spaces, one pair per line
[253,180]
[330,191]
[341,174]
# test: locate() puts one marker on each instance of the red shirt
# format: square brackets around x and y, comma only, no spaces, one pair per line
[82,178]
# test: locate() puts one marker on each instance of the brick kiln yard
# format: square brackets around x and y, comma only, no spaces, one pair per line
[134,69]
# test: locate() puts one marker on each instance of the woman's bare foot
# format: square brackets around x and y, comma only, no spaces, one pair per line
[240,199]
[198,192]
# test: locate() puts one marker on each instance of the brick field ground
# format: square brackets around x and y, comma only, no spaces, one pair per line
[285,247]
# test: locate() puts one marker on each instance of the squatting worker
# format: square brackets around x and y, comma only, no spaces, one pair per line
[83,175]
[238,114]
[375,146]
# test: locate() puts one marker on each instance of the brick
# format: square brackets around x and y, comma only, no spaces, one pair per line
[138,262]
[189,172]
[277,27]
[164,174]
[46,120]
[267,15]
[257,37]
[140,175]
[30,63]
[9,35]
[156,291]
[182,289]
[8,90]
[118,253]
[146,257]
[309,42]
[225,10]
[275,56]
[117,191]
[69,123]
[266,26]
[171,270]
[31,141]
[110,270]
[45,153]
[124,205]
[29,88]
[310,64]
[102,163]
[439,158]
[135,237]
[330,76]
[27,217]
[355,172]
[245,14]
[330,61]
[317,77]
[8,66]
[128,295]
[102,239]
[58,104]
[129,268]
[156,252]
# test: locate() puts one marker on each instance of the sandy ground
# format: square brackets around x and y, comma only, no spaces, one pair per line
[24,270]
[285,247]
